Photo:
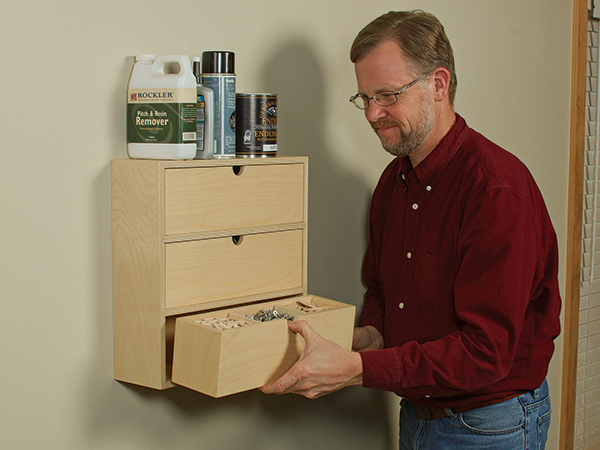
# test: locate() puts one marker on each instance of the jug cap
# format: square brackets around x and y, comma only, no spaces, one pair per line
[218,62]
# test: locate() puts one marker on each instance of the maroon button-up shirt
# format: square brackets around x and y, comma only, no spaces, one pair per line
[461,275]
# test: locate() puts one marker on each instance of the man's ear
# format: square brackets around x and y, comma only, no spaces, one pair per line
[441,79]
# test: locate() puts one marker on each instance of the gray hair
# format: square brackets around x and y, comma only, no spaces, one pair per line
[420,36]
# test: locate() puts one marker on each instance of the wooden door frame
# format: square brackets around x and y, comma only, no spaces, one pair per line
[574,225]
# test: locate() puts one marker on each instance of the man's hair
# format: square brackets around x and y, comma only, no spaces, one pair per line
[420,36]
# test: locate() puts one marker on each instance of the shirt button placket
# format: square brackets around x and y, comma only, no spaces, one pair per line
[415,206]
[414,198]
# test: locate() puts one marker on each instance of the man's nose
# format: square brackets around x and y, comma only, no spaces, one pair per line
[375,112]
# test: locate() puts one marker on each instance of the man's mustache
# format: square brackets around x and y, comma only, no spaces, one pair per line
[384,123]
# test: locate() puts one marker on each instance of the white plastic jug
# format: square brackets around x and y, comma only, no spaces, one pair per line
[161,108]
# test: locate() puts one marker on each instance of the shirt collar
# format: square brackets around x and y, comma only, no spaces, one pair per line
[429,170]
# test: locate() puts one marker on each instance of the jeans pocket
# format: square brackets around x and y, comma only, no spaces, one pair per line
[501,418]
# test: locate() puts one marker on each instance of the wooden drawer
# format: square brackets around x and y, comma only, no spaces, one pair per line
[205,199]
[222,362]
[207,270]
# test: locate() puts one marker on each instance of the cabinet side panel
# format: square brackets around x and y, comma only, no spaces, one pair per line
[305,249]
[138,325]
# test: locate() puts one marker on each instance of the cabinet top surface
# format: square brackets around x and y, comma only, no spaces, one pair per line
[215,162]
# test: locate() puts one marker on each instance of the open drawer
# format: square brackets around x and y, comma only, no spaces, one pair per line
[224,352]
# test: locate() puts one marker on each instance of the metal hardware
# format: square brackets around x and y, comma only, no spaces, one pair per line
[268,315]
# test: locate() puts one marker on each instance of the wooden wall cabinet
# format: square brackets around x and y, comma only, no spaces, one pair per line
[195,236]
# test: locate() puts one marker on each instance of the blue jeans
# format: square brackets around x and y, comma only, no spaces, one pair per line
[515,424]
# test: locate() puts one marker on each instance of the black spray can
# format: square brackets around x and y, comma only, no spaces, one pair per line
[256,125]
[218,74]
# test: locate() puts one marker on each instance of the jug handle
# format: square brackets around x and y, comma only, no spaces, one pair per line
[185,66]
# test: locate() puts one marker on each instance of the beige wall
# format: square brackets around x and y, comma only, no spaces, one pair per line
[64,72]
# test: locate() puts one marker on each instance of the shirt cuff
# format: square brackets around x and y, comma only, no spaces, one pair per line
[381,369]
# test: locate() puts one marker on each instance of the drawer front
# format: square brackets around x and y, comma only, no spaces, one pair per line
[220,362]
[219,198]
[208,270]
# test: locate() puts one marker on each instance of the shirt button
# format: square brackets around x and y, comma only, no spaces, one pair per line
[428,188]
[427,395]
[409,255]
[415,206]
[401,305]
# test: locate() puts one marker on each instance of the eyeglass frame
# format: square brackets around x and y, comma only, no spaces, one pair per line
[395,94]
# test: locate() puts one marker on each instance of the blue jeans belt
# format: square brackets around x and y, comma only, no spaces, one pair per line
[424,412]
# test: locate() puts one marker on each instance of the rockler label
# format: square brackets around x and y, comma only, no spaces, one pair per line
[256,125]
[165,116]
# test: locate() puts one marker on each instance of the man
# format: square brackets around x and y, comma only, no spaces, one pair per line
[462,302]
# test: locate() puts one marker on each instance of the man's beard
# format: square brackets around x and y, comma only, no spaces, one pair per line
[409,140]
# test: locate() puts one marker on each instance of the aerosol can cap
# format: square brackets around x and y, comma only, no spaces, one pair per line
[218,62]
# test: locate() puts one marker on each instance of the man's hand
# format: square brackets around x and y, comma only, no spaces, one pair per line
[366,338]
[324,367]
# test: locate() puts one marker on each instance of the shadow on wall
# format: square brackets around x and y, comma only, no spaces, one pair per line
[353,418]
[338,201]
[180,418]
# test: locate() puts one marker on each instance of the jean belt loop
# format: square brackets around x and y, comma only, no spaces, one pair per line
[450,413]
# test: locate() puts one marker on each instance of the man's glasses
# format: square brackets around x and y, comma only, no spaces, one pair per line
[385,98]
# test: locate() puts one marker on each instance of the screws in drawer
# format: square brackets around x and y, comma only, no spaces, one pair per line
[268,315]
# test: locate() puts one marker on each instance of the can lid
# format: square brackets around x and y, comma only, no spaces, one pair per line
[218,62]
[255,94]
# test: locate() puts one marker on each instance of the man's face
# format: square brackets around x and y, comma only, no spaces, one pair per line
[403,126]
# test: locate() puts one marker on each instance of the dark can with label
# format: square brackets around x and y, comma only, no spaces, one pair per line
[256,125]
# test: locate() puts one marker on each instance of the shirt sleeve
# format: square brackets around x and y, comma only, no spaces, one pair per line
[497,253]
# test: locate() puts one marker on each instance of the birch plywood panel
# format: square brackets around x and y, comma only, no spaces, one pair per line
[137,322]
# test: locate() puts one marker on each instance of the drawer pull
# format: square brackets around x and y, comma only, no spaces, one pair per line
[238,170]
[237,240]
